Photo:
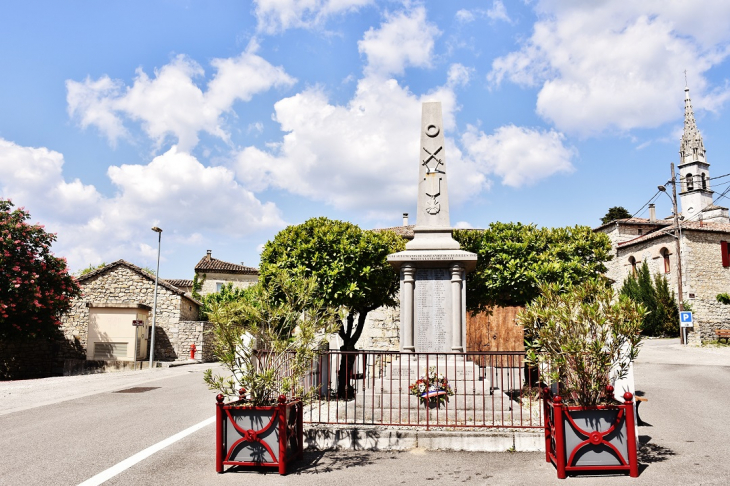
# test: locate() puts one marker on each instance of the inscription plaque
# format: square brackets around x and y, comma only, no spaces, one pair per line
[432,298]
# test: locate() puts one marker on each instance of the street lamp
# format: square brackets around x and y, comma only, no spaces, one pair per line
[154,302]
[676,241]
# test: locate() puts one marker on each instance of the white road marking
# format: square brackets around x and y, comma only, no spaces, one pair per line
[142,455]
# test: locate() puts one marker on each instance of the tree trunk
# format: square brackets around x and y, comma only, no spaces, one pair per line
[350,336]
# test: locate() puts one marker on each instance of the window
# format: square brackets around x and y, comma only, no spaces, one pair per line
[640,231]
[665,255]
[704,181]
[218,286]
[632,262]
[725,254]
[690,182]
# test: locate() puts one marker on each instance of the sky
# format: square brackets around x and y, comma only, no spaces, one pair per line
[222,122]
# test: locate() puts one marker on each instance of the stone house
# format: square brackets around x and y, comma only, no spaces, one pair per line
[704,234]
[100,321]
[214,274]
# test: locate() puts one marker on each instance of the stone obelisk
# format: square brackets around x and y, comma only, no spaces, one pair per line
[433,268]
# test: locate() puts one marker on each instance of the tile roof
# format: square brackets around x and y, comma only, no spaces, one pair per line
[685,225]
[404,231]
[636,221]
[179,282]
[208,263]
[134,268]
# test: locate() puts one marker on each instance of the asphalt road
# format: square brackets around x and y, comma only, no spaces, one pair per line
[58,432]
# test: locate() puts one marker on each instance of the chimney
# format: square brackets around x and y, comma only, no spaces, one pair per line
[405,219]
[208,256]
[243,264]
[652,213]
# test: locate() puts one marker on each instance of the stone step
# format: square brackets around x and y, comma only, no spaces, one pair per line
[417,415]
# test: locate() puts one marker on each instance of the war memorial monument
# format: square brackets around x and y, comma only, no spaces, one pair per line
[433,268]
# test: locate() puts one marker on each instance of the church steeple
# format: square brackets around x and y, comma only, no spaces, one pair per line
[694,172]
[692,149]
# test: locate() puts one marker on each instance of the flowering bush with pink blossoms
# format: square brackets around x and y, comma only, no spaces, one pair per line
[35,286]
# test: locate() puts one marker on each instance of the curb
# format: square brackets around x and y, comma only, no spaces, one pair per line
[375,438]
[175,364]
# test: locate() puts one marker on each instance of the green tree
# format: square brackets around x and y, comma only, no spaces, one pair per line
[35,286]
[90,269]
[616,212]
[198,286]
[654,294]
[515,258]
[350,267]
[253,340]
[227,293]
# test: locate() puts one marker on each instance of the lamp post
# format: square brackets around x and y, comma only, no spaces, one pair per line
[676,241]
[154,302]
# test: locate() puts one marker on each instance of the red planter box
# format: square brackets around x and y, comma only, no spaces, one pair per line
[258,436]
[600,438]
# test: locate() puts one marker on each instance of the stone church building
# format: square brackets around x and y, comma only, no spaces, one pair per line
[704,234]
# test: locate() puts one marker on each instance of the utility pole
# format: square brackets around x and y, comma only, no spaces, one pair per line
[679,255]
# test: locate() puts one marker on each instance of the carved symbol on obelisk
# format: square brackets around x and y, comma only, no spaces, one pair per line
[433,190]
[432,156]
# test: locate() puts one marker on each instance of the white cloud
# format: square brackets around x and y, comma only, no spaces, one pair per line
[32,177]
[616,65]
[463,225]
[520,156]
[278,15]
[497,12]
[363,155]
[458,75]
[405,39]
[171,103]
[465,16]
[174,191]
[92,102]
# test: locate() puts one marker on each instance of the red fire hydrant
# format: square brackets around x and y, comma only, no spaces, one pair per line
[192,351]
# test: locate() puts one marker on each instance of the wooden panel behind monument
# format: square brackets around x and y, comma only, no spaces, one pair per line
[495,331]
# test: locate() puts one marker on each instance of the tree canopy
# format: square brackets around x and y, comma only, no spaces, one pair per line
[663,316]
[515,258]
[349,264]
[35,287]
[227,293]
[616,212]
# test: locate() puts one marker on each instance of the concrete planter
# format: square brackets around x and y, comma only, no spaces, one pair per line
[258,436]
[600,438]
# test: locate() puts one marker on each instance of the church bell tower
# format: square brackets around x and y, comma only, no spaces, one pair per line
[694,173]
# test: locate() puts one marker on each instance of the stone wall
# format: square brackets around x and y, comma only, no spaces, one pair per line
[703,276]
[23,360]
[706,277]
[122,285]
[185,333]
[619,234]
[212,279]
[382,330]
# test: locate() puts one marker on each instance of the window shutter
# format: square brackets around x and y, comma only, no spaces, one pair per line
[725,255]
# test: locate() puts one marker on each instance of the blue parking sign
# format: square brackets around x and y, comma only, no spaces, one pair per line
[685,319]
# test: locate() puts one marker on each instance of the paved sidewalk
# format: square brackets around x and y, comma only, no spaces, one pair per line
[19,395]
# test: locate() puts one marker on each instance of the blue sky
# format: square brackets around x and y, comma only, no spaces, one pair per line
[222,122]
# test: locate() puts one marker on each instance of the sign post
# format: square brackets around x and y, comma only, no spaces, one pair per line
[136,323]
[685,321]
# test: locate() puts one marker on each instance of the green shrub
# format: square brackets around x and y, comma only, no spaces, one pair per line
[582,337]
[267,341]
